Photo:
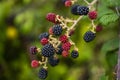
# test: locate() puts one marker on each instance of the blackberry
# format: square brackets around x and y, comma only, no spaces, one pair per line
[48,50]
[53,61]
[74,54]
[82,10]
[43,35]
[89,36]
[74,9]
[79,10]
[33,50]
[43,73]
[57,30]
[59,50]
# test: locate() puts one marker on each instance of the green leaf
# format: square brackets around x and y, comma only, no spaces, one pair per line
[113,3]
[110,45]
[103,77]
[106,19]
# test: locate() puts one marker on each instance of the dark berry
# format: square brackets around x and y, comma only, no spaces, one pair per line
[74,54]
[48,50]
[79,10]
[92,15]
[82,10]
[68,3]
[57,30]
[71,32]
[35,64]
[65,53]
[43,73]
[43,35]
[53,61]
[89,36]
[44,41]
[74,9]
[33,50]
[99,28]
[51,17]
[66,46]
[63,38]
[59,52]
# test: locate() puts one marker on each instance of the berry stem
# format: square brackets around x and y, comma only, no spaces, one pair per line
[86,2]
[93,26]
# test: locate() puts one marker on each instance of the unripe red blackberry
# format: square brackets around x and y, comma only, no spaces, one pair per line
[51,31]
[53,61]
[92,15]
[98,28]
[44,41]
[89,36]
[43,73]
[63,38]
[74,54]
[48,50]
[51,17]
[68,3]
[35,64]
[57,30]
[66,46]
[65,53]
[33,50]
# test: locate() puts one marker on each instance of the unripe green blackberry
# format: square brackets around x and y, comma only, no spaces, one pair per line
[89,36]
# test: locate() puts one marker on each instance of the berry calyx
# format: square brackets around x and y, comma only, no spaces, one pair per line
[65,53]
[33,50]
[47,50]
[74,54]
[68,3]
[43,73]
[44,41]
[63,38]
[35,64]
[92,15]
[98,28]
[89,36]
[66,46]
[51,17]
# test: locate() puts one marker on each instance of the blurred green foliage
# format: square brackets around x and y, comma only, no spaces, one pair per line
[21,21]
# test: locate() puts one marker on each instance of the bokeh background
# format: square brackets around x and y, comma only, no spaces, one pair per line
[21,22]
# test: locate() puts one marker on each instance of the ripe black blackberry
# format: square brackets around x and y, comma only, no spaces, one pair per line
[79,10]
[53,61]
[74,54]
[43,73]
[74,9]
[89,36]
[82,10]
[43,35]
[48,50]
[57,30]
[59,52]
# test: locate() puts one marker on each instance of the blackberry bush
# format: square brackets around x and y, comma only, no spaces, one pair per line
[58,40]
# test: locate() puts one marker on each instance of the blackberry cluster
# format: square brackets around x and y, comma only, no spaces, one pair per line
[43,35]
[53,61]
[79,10]
[59,52]
[89,36]
[57,30]
[48,50]
[42,73]
[74,54]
